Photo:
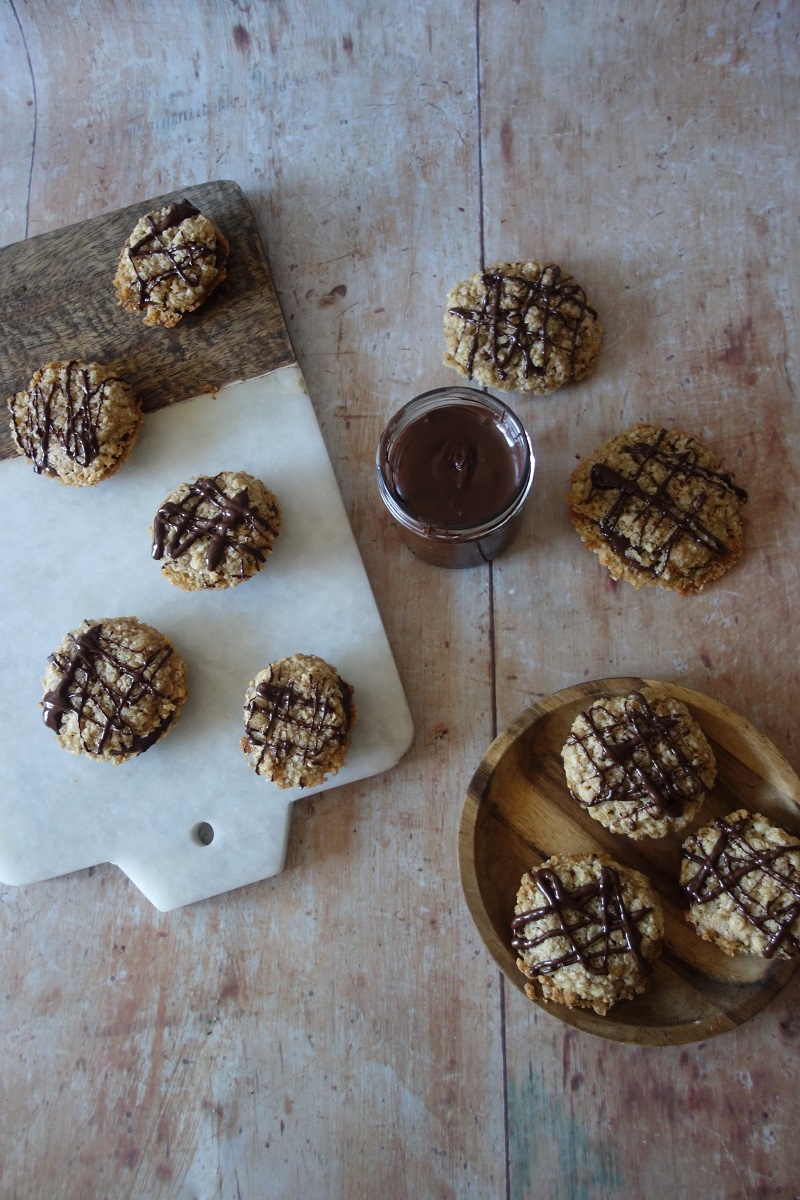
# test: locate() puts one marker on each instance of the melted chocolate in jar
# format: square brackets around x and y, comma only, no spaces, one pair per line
[454,467]
[100,705]
[185,260]
[503,317]
[644,779]
[588,917]
[725,869]
[178,524]
[75,431]
[640,493]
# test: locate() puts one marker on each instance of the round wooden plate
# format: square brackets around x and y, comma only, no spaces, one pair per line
[518,811]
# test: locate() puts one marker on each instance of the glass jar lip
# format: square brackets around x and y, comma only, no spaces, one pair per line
[428,402]
[435,398]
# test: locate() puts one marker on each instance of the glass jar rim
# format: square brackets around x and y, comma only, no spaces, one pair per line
[430,401]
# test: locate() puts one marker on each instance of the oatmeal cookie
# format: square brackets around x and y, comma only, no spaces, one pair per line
[215,532]
[521,327]
[639,764]
[170,264]
[586,931]
[656,507]
[113,688]
[298,716]
[741,874]
[76,421]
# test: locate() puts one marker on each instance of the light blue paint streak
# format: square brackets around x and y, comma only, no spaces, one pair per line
[586,1167]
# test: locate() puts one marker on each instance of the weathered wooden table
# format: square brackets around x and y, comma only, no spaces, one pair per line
[340,1029]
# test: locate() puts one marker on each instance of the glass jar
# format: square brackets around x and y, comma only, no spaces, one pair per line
[455,467]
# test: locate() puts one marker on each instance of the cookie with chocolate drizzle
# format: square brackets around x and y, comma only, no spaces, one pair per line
[76,421]
[113,688]
[656,507]
[741,875]
[298,717]
[171,263]
[521,327]
[586,931]
[639,764]
[216,531]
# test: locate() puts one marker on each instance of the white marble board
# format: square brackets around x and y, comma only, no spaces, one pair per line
[73,553]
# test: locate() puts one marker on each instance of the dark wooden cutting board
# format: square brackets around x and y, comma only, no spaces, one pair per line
[57,301]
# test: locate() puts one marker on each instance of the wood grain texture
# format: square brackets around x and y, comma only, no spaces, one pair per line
[17,129]
[342,1029]
[625,150]
[57,302]
[518,812]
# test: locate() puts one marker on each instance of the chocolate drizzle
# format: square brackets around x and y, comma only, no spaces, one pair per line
[67,413]
[593,919]
[100,687]
[186,259]
[178,525]
[734,868]
[289,730]
[642,760]
[650,495]
[522,319]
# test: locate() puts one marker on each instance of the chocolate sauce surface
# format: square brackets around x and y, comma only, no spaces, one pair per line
[455,467]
